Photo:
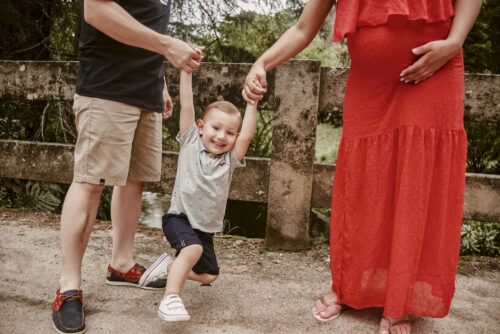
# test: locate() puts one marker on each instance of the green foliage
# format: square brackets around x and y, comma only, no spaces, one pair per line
[168,140]
[104,211]
[483,151]
[32,195]
[38,29]
[480,238]
[332,55]
[49,121]
[327,142]
[261,144]
[482,46]
[477,51]
[5,201]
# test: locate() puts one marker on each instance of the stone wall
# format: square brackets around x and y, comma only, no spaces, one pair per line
[290,182]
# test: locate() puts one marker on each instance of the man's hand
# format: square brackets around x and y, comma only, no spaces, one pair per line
[182,55]
[433,56]
[255,84]
[168,106]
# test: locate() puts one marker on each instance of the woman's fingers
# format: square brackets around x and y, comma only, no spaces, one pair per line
[254,94]
[422,49]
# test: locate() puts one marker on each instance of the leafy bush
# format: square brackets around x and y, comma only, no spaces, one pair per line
[32,195]
[483,150]
[480,238]
[261,144]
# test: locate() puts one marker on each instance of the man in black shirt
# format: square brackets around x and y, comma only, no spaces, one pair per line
[121,98]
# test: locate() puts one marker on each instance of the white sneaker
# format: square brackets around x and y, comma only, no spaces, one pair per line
[155,277]
[172,309]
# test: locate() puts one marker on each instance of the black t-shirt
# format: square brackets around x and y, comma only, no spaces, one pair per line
[111,70]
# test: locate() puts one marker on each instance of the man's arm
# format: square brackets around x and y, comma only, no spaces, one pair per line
[247,130]
[186,99]
[114,21]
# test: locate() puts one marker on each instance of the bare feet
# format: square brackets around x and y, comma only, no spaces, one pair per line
[395,325]
[326,308]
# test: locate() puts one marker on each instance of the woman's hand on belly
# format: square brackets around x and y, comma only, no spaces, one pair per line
[433,56]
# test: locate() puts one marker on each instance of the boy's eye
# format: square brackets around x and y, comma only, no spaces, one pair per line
[216,128]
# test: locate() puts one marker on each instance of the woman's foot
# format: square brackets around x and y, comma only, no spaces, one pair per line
[395,325]
[326,308]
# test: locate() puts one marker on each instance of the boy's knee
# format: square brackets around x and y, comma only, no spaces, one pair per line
[193,250]
[208,279]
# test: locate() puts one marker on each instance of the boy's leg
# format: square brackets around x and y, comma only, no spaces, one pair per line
[125,210]
[204,278]
[77,219]
[182,267]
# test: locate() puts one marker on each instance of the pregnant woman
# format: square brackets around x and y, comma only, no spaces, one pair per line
[400,175]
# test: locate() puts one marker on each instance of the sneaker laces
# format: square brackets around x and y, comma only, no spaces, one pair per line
[61,298]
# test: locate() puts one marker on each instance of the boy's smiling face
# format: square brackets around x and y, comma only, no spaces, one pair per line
[219,130]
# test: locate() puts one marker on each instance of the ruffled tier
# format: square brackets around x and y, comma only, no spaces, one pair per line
[351,14]
[396,218]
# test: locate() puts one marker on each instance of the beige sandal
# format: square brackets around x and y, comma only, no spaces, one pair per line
[333,316]
[395,323]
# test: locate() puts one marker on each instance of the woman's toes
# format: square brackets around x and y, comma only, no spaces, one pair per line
[318,307]
[384,326]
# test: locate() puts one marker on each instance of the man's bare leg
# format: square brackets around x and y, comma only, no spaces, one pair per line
[125,210]
[77,219]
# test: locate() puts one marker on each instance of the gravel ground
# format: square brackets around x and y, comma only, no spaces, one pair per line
[258,291]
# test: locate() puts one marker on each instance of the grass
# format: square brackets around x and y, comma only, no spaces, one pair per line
[327,142]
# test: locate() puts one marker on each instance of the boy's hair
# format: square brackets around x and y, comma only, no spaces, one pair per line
[223,106]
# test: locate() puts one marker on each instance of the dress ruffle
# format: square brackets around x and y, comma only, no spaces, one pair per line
[396,217]
[365,13]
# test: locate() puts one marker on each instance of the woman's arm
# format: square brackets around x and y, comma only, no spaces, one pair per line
[288,45]
[435,54]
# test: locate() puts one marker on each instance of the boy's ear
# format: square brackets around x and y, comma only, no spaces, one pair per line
[199,124]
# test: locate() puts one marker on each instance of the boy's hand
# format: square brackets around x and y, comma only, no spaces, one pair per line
[168,106]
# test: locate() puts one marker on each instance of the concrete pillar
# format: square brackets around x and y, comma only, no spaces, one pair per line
[292,159]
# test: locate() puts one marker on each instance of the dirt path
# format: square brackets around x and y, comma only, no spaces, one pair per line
[275,294]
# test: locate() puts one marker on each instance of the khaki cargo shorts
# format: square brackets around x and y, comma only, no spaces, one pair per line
[116,142]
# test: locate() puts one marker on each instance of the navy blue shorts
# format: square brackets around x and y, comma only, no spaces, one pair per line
[180,234]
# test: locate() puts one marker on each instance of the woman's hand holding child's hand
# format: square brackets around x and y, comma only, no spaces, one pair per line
[255,84]
[433,56]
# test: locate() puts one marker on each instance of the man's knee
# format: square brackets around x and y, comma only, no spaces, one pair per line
[92,190]
[88,190]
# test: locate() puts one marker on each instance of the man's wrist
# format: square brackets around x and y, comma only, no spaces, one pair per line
[163,45]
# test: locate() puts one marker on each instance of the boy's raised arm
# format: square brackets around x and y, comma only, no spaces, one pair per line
[186,99]
[247,130]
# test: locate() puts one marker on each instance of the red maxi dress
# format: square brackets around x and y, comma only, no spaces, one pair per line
[399,181]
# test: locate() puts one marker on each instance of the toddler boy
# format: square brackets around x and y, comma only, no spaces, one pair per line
[210,149]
